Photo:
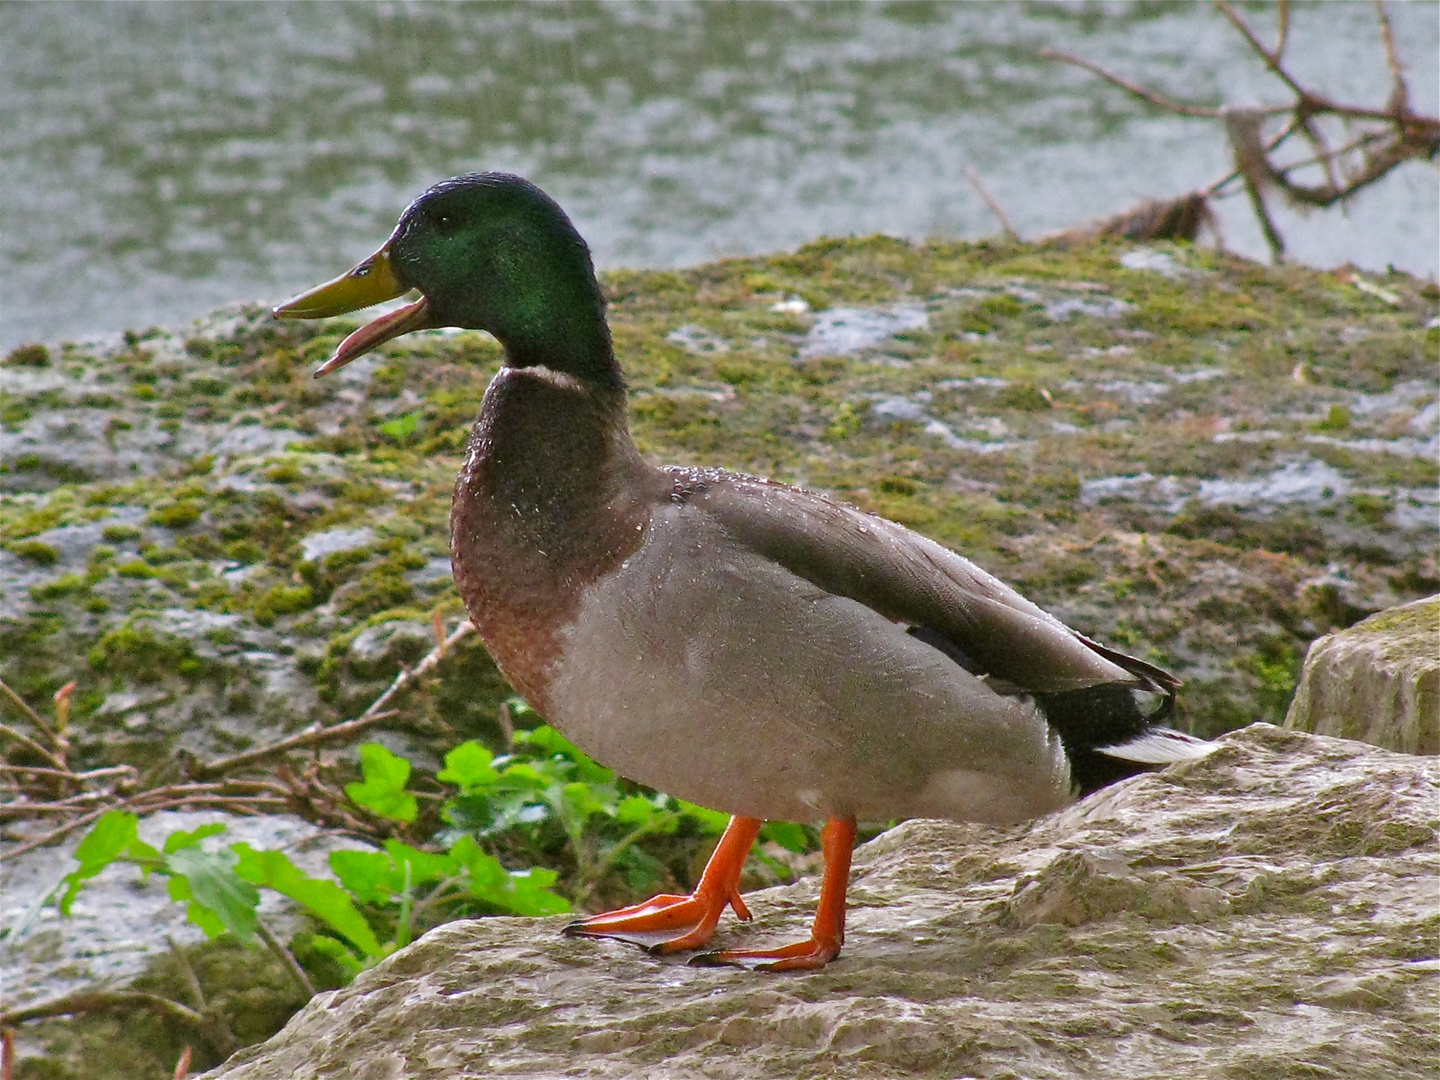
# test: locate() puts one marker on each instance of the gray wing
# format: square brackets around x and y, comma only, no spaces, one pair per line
[912,579]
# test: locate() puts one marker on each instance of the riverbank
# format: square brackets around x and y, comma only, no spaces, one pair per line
[1201,460]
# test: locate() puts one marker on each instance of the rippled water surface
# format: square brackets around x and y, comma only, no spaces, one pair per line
[160,159]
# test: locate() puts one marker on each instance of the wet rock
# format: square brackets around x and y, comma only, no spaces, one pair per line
[1185,923]
[1378,681]
[844,331]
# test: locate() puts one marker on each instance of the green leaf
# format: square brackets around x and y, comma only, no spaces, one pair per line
[369,876]
[103,844]
[213,884]
[468,767]
[583,801]
[521,892]
[424,865]
[788,835]
[635,810]
[325,899]
[383,790]
[545,741]
[177,840]
[709,822]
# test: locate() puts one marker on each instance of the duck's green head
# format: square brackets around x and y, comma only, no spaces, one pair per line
[486,251]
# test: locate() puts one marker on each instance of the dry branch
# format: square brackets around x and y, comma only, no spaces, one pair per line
[1386,138]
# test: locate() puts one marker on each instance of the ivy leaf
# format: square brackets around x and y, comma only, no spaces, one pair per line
[468,767]
[521,892]
[325,899]
[369,876]
[545,741]
[788,835]
[424,865]
[383,790]
[103,844]
[182,839]
[211,882]
[710,822]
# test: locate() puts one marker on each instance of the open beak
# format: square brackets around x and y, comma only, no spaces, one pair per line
[372,282]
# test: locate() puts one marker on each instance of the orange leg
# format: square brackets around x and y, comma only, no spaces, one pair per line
[828,933]
[670,923]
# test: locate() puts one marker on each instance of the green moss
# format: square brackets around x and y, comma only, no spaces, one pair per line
[137,651]
[177,514]
[118,534]
[32,355]
[281,600]
[36,551]
[64,585]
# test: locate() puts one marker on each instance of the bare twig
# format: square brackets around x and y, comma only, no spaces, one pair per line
[1136,89]
[1399,92]
[313,736]
[1282,29]
[1397,134]
[27,741]
[219,1032]
[1272,59]
[30,714]
[991,201]
[102,1000]
[287,959]
[66,774]
[182,1067]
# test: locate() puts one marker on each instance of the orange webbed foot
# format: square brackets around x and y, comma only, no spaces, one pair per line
[663,924]
[672,923]
[828,933]
[802,956]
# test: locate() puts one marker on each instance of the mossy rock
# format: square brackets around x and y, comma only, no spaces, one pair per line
[1378,681]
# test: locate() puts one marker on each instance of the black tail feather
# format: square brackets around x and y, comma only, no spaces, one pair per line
[1106,715]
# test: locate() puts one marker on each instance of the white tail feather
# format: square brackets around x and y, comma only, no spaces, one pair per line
[1161,746]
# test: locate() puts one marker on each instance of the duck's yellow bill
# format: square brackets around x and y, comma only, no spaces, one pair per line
[371,282]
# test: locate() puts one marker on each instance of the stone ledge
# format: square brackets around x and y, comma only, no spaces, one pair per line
[1267,911]
[1378,681]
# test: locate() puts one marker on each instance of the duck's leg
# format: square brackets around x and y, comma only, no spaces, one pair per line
[670,923]
[828,933]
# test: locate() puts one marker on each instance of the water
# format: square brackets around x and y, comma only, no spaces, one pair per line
[159,160]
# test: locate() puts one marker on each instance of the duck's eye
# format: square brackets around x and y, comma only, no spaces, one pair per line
[445,222]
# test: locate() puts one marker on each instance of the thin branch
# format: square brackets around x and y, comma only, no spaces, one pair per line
[219,1032]
[1139,91]
[27,741]
[66,774]
[101,1000]
[1282,30]
[1399,92]
[24,706]
[992,202]
[315,735]
[311,736]
[1272,60]
[287,959]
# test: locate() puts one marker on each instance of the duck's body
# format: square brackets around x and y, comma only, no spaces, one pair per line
[749,646]
[623,607]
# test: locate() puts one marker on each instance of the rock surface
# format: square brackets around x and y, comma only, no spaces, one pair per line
[1268,912]
[1378,681]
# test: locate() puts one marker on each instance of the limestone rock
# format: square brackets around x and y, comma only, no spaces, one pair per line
[1267,912]
[1378,681]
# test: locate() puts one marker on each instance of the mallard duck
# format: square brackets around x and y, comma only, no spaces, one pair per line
[740,643]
